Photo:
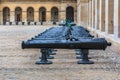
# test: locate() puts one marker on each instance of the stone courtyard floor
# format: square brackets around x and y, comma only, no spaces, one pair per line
[18,64]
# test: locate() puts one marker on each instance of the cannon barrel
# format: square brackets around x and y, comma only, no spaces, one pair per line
[99,44]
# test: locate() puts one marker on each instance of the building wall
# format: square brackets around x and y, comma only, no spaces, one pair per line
[103,19]
[60,4]
[0,12]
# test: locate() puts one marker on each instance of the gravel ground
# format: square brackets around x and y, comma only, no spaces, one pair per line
[18,64]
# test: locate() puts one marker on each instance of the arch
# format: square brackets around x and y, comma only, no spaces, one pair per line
[18,14]
[42,14]
[111,16]
[70,13]
[6,14]
[54,14]
[30,14]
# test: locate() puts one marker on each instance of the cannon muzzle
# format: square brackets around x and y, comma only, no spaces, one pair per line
[109,43]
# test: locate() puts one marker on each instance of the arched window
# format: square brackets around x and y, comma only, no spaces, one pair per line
[30,14]
[54,14]
[70,13]
[42,14]
[6,14]
[18,14]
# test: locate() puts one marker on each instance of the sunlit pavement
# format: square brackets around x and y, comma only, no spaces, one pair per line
[19,64]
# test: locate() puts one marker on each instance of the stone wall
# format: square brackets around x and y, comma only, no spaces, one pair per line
[60,4]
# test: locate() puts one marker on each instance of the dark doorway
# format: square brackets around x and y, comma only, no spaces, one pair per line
[70,13]
[54,14]
[18,14]
[42,14]
[30,14]
[6,14]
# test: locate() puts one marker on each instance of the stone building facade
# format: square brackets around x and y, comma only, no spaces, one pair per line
[37,10]
[102,17]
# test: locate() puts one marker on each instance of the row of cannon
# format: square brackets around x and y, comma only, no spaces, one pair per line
[65,37]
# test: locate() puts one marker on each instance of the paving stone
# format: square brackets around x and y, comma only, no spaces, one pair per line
[18,64]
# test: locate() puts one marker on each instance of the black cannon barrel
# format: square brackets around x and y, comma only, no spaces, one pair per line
[100,44]
[59,38]
[54,32]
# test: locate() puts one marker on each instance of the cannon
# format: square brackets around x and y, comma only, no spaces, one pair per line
[47,35]
[99,43]
[84,44]
[70,37]
[62,33]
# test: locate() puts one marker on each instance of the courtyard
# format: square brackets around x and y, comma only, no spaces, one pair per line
[19,64]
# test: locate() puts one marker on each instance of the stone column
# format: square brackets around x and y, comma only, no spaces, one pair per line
[111,16]
[116,7]
[84,14]
[106,16]
[62,12]
[36,16]
[96,14]
[48,14]
[103,16]
[88,12]
[93,7]
[100,14]
[75,14]
[78,15]
[12,16]
[91,13]
[1,18]
[24,16]
[118,18]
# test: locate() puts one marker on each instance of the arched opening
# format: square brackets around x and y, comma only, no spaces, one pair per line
[54,14]
[18,14]
[70,13]
[103,16]
[30,14]
[42,14]
[6,14]
[111,16]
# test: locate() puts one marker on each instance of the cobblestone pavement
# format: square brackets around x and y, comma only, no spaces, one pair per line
[18,64]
